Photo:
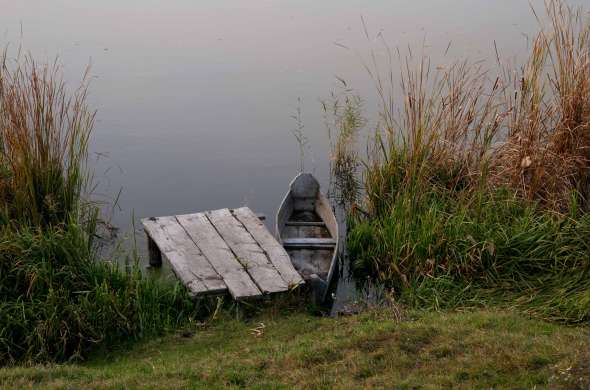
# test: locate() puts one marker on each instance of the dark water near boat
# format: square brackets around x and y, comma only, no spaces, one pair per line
[195,98]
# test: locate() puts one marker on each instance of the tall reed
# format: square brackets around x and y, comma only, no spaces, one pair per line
[481,182]
[462,126]
[546,153]
[58,299]
[344,122]
[44,133]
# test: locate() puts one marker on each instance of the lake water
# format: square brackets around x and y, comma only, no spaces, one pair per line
[195,97]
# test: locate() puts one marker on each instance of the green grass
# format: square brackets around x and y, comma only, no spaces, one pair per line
[58,300]
[481,349]
[437,250]
[477,181]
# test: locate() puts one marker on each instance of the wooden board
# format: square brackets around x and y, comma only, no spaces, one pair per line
[188,263]
[222,251]
[327,215]
[309,242]
[275,251]
[300,223]
[247,251]
[219,255]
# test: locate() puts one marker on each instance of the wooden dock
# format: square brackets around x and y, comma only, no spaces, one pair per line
[222,250]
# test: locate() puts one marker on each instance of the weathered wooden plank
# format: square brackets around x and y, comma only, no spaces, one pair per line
[309,241]
[325,212]
[181,265]
[166,245]
[220,256]
[275,252]
[302,223]
[290,247]
[187,261]
[247,251]
[283,215]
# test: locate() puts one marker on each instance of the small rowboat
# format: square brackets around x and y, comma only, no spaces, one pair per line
[307,228]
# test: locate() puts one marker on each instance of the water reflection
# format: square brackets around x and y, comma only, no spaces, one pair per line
[194,98]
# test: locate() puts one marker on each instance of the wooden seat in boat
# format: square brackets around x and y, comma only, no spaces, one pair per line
[305,223]
[309,243]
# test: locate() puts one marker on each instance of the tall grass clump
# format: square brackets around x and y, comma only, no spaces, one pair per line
[344,121]
[545,155]
[58,300]
[476,187]
[60,303]
[44,133]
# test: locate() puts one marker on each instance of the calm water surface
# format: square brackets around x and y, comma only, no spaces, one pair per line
[195,97]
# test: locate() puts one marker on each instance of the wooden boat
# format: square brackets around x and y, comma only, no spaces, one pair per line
[307,228]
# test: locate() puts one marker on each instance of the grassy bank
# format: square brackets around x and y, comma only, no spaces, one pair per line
[439,252]
[476,185]
[482,349]
[59,302]
[58,299]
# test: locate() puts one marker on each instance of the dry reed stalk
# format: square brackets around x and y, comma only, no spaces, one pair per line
[545,156]
[44,133]
[461,128]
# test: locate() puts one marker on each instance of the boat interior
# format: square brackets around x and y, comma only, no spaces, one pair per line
[308,238]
